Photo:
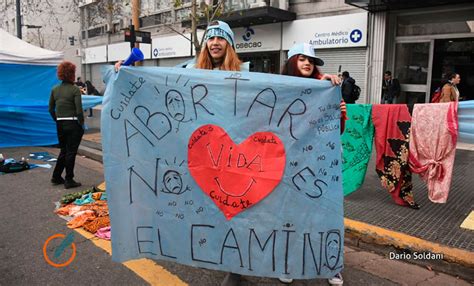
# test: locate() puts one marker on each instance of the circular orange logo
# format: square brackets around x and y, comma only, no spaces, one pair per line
[65,243]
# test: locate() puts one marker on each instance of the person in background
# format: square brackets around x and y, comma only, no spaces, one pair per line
[91,90]
[302,62]
[450,90]
[81,85]
[390,88]
[347,87]
[65,107]
[79,82]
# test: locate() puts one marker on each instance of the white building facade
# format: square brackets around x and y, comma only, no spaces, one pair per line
[419,41]
[49,24]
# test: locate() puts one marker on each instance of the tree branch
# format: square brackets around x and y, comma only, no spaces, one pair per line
[177,32]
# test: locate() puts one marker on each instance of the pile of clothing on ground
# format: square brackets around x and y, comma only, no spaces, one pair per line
[10,165]
[87,209]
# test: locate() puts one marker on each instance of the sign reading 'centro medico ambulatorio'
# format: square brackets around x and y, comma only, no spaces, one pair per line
[328,32]
[170,47]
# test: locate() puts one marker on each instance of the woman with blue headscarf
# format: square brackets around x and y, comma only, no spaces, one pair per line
[218,51]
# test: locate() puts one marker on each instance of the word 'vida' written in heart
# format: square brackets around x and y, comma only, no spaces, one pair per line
[235,176]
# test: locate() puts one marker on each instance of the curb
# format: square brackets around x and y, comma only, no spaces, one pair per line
[382,236]
[92,153]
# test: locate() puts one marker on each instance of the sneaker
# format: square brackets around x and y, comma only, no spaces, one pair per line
[231,279]
[57,181]
[286,280]
[71,184]
[336,280]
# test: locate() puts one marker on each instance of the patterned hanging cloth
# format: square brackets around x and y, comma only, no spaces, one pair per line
[357,146]
[392,134]
[434,132]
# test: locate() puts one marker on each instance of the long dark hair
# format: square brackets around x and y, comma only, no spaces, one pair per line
[90,89]
[449,76]
[291,68]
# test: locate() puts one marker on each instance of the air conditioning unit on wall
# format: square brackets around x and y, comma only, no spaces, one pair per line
[261,3]
[124,23]
[86,2]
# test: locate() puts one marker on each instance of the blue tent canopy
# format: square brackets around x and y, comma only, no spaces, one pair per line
[27,75]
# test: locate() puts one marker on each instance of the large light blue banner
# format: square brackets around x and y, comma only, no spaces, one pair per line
[238,172]
[466,121]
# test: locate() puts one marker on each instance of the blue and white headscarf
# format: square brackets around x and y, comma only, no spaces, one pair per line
[222,30]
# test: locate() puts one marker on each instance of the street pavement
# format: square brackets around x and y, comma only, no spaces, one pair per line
[28,220]
[435,227]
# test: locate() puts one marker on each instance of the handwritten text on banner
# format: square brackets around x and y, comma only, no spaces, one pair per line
[238,172]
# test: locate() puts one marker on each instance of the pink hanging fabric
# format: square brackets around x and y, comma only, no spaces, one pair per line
[433,146]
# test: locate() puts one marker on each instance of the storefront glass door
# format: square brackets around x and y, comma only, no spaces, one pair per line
[454,55]
[262,62]
[429,45]
[413,61]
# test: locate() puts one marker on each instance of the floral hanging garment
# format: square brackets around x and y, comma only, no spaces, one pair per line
[392,134]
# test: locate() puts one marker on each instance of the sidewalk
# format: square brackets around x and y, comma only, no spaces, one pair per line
[436,223]
[23,264]
[371,218]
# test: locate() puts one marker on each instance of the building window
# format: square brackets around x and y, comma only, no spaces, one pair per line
[436,23]
[183,14]
[116,28]
[163,4]
[152,20]
[411,65]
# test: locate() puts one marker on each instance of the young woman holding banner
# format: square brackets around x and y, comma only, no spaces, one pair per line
[302,62]
[218,52]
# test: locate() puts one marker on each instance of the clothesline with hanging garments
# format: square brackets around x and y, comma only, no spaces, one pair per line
[422,141]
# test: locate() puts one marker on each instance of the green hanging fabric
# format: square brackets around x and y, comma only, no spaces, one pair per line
[357,141]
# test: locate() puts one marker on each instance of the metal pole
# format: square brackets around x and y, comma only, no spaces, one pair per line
[110,5]
[195,43]
[18,19]
[81,43]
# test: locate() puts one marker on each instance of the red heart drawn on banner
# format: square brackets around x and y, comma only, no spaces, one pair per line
[235,177]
